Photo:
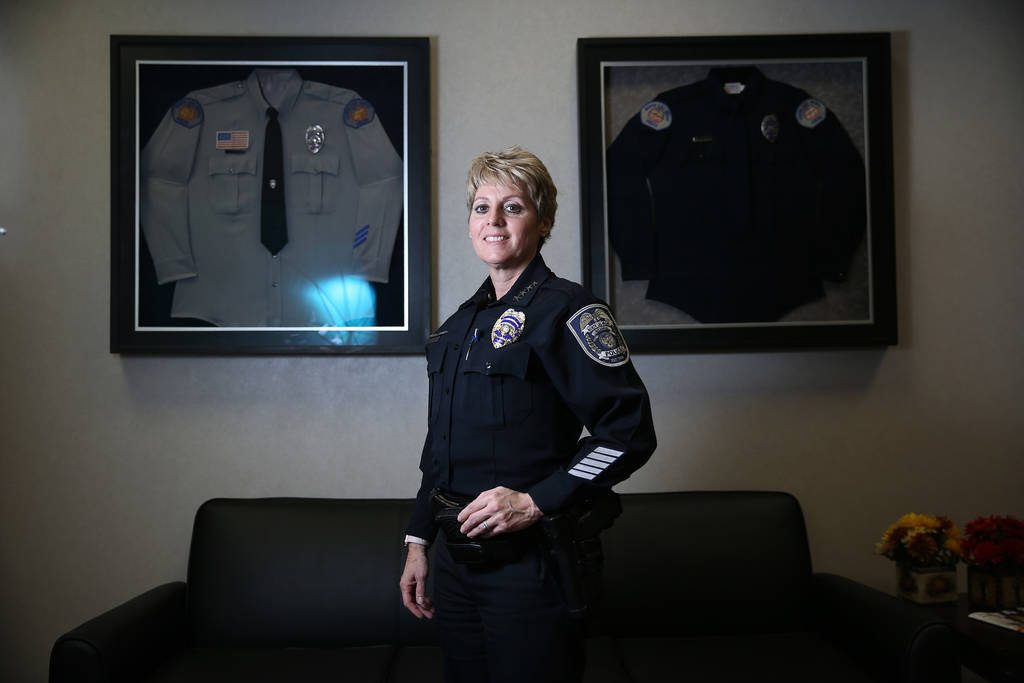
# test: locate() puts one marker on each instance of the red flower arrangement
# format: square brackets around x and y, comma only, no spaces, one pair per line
[995,541]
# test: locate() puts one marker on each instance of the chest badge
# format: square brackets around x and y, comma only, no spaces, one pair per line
[770,127]
[508,328]
[315,138]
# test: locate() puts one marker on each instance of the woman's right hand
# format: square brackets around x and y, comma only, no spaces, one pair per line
[414,583]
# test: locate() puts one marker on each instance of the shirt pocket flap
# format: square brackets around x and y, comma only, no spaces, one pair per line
[510,360]
[435,357]
[318,163]
[230,164]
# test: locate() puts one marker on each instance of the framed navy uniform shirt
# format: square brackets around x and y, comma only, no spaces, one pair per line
[200,178]
[512,383]
[734,197]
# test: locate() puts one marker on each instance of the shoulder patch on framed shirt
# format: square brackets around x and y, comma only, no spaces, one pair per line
[810,113]
[358,113]
[656,115]
[597,334]
[187,112]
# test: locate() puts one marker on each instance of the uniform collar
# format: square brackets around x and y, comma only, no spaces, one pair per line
[750,76]
[292,85]
[521,293]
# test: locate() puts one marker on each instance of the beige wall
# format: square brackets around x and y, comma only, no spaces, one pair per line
[104,459]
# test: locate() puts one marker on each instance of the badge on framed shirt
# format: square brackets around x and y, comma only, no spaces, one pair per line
[595,330]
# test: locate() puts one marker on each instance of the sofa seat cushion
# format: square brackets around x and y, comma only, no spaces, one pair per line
[296,665]
[788,657]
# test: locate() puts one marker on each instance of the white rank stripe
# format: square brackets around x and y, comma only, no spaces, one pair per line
[595,463]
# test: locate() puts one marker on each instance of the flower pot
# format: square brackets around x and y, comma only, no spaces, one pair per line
[927,585]
[995,588]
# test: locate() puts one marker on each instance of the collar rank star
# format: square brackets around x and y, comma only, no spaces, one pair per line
[508,328]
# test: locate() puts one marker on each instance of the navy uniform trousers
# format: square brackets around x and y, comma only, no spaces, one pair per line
[505,623]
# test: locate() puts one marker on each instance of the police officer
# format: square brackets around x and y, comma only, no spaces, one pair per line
[515,374]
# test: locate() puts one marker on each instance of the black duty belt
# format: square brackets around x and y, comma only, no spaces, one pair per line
[499,549]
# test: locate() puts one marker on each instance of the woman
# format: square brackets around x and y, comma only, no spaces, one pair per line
[515,374]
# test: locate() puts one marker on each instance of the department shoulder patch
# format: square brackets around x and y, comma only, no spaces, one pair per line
[597,334]
[810,113]
[358,113]
[187,112]
[656,115]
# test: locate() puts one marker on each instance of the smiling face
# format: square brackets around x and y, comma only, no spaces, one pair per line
[505,228]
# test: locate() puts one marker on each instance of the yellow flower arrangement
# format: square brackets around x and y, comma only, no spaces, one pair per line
[921,541]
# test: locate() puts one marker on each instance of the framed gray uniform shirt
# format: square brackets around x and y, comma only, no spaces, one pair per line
[201,174]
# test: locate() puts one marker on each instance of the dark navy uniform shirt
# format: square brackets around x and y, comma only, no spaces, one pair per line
[735,206]
[508,402]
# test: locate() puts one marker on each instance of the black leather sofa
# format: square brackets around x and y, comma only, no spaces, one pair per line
[701,586]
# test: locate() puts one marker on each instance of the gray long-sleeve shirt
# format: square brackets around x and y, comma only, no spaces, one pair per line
[201,173]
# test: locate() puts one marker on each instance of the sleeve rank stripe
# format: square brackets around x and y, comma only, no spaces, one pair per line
[608,451]
[597,464]
[577,472]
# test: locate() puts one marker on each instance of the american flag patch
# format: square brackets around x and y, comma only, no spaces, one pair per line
[232,139]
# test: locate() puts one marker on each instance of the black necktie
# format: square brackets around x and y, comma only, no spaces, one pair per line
[273,225]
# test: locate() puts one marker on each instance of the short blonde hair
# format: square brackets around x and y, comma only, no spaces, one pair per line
[515,166]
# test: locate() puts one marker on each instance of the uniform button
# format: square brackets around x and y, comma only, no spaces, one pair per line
[446,391]
[444,436]
[274,284]
[487,365]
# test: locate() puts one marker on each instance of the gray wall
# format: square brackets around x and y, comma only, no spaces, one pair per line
[104,459]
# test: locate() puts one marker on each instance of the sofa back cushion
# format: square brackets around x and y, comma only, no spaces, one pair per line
[282,572]
[706,563]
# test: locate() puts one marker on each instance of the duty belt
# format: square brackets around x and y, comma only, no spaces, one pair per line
[500,549]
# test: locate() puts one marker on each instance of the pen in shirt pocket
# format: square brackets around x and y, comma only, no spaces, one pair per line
[476,335]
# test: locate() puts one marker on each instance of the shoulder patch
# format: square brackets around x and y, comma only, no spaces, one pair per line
[810,113]
[358,113]
[656,115]
[187,112]
[597,334]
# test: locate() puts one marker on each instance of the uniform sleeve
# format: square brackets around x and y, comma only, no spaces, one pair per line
[842,198]
[421,524]
[631,226]
[166,166]
[378,171]
[601,386]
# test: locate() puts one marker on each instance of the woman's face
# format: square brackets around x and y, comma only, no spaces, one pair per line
[504,227]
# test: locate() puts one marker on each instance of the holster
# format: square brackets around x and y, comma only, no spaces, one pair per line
[574,545]
[483,551]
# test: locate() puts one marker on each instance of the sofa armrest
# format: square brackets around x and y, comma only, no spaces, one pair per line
[890,638]
[124,643]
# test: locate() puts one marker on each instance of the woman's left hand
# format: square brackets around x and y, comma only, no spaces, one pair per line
[498,511]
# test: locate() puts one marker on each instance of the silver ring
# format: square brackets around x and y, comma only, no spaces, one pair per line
[483,524]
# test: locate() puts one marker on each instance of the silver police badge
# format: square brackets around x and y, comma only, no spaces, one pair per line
[508,328]
[315,138]
[598,335]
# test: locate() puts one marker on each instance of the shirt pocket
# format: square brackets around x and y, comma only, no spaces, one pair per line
[311,176]
[497,392]
[435,373]
[232,183]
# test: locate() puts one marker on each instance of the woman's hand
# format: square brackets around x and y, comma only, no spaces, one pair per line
[413,583]
[498,511]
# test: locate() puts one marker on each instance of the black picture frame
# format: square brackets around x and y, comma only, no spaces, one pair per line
[619,76]
[383,82]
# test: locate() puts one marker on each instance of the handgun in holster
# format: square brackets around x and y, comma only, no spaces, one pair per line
[574,545]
